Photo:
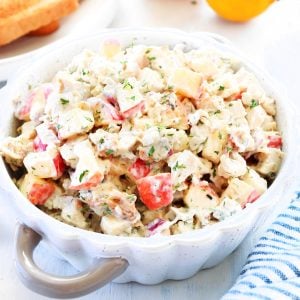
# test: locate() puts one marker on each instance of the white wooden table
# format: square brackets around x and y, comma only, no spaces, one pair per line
[273,41]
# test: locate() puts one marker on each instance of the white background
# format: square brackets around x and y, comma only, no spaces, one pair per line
[273,41]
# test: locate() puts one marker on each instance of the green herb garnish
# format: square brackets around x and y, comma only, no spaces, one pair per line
[89,119]
[151,151]
[254,103]
[106,209]
[85,172]
[178,166]
[109,152]
[127,85]
[221,88]
[64,101]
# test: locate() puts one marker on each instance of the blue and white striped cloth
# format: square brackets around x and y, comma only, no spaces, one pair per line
[272,271]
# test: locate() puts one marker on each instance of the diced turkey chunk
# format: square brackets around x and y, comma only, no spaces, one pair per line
[269,161]
[67,151]
[89,170]
[201,196]
[226,208]
[70,210]
[151,80]
[47,135]
[232,165]
[186,82]
[114,226]
[74,121]
[184,164]
[128,94]
[240,191]
[254,179]
[256,117]
[14,149]
[44,164]
[31,106]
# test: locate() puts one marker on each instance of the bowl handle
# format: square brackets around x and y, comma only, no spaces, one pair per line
[102,272]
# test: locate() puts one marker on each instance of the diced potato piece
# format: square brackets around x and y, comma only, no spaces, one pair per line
[201,196]
[186,82]
[214,145]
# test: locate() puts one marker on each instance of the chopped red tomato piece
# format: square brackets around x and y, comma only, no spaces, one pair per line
[156,191]
[40,192]
[90,183]
[139,169]
[275,141]
[134,110]
[59,165]
[38,145]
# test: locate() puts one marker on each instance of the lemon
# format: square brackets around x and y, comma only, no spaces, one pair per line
[239,10]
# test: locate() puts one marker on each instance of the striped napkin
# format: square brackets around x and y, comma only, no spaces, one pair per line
[272,270]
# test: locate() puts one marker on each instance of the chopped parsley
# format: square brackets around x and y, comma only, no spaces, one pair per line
[84,72]
[148,51]
[254,103]
[151,151]
[89,119]
[150,58]
[178,166]
[127,85]
[101,141]
[83,173]
[131,198]
[220,135]
[217,112]
[229,149]
[164,99]
[109,152]
[64,101]
[217,152]
[132,98]
[214,172]
[221,88]
[106,209]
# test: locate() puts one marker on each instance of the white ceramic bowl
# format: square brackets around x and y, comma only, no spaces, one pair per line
[157,258]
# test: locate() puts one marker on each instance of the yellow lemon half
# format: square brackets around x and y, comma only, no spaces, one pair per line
[239,10]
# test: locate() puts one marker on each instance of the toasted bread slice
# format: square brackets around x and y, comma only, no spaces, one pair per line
[45,30]
[19,17]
